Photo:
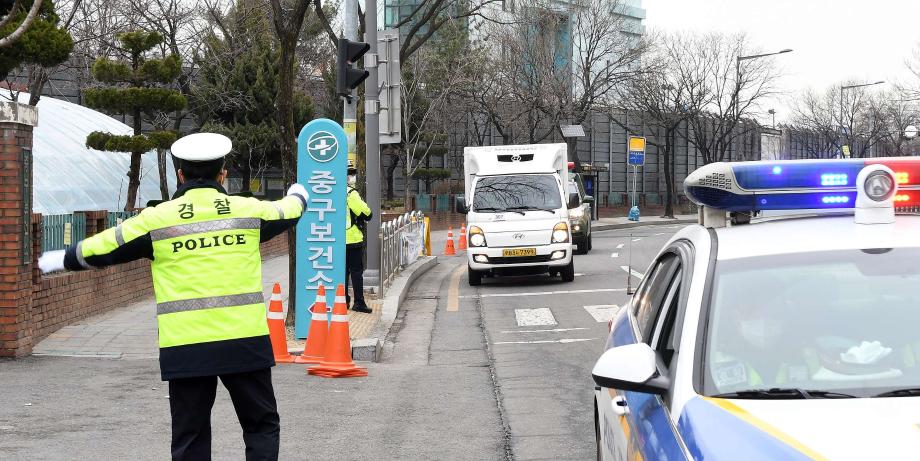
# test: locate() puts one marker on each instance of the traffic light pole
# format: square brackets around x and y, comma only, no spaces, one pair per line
[350,112]
[372,146]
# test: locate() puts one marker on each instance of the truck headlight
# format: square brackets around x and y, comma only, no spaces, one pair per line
[576,213]
[560,233]
[477,237]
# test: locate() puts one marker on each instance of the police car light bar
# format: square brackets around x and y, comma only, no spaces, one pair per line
[795,184]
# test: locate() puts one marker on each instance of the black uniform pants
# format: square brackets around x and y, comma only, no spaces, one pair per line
[190,402]
[354,270]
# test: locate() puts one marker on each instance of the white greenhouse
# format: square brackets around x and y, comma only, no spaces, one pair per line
[68,176]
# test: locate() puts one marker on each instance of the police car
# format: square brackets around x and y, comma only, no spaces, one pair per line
[794,336]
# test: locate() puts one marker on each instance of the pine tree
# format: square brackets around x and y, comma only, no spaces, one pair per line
[235,91]
[43,43]
[138,87]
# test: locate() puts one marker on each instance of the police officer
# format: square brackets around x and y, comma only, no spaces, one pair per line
[207,278]
[358,214]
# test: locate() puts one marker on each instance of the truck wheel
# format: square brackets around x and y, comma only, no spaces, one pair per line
[581,246]
[590,245]
[475,277]
[568,272]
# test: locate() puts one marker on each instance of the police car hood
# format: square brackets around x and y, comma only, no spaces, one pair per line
[857,429]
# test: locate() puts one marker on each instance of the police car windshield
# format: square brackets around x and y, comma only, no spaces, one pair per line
[517,192]
[843,321]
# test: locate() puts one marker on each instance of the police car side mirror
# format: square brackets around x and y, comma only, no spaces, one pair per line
[630,368]
[574,201]
[460,204]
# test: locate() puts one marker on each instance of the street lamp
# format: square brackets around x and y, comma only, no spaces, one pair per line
[849,87]
[738,78]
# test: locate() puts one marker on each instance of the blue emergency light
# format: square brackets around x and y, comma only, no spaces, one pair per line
[795,184]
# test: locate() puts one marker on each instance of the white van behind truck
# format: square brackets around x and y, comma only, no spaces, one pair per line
[517,204]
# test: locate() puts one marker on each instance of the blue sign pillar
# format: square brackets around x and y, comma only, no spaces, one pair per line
[322,166]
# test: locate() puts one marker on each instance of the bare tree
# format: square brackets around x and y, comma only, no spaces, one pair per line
[431,79]
[734,91]
[554,64]
[853,122]
[667,97]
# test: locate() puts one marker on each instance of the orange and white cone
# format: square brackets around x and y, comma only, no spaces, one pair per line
[461,243]
[315,349]
[449,246]
[337,362]
[276,331]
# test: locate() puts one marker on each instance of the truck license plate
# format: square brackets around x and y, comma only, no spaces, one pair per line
[519,252]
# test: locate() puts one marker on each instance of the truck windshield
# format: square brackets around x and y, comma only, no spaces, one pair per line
[517,192]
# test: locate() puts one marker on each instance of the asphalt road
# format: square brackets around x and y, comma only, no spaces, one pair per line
[501,371]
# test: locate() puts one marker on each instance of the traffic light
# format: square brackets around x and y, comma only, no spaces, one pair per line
[347,77]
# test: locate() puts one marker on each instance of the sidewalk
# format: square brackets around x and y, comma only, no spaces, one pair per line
[131,332]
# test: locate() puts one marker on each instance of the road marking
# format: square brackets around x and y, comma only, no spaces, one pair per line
[534,317]
[542,293]
[579,274]
[634,273]
[620,246]
[561,341]
[602,312]
[614,255]
[553,330]
[636,240]
[453,292]
[660,233]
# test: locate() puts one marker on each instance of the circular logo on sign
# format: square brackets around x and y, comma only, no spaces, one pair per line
[322,146]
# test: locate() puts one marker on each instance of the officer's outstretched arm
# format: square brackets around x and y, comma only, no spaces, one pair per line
[126,242]
[281,215]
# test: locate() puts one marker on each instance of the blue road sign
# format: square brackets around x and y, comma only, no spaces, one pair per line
[322,165]
[636,158]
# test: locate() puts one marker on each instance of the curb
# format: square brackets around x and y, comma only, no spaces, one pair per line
[606,227]
[369,349]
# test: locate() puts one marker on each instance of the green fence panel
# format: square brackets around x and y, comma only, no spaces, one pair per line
[423,202]
[116,217]
[62,231]
[443,202]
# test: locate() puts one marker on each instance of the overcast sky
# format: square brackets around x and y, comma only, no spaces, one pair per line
[834,40]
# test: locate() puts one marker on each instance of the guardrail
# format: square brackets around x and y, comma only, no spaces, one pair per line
[402,241]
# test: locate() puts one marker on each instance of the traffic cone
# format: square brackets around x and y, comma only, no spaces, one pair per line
[461,244]
[337,362]
[276,332]
[449,246]
[315,349]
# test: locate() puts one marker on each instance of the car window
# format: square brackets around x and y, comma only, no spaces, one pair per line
[842,321]
[649,299]
[665,342]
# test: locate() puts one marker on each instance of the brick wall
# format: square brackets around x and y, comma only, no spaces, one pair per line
[62,299]
[15,271]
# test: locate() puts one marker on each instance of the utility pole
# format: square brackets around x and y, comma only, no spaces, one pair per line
[372,145]
[350,112]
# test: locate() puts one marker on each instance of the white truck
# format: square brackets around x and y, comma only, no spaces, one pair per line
[517,203]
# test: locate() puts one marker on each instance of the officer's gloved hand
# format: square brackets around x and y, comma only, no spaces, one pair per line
[51,261]
[299,190]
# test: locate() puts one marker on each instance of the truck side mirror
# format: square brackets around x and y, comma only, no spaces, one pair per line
[574,201]
[460,204]
[588,199]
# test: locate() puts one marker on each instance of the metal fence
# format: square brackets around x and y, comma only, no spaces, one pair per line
[402,241]
[62,231]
